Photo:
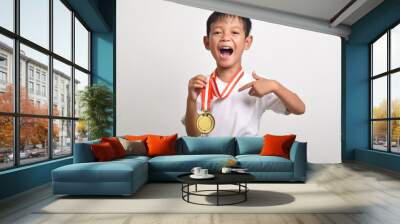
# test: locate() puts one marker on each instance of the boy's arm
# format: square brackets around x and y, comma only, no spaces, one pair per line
[190,118]
[262,86]
[196,84]
[290,99]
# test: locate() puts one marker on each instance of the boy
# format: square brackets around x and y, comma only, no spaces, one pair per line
[236,112]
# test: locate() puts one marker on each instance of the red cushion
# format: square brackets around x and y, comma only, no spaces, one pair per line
[103,152]
[161,145]
[116,145]
[277,145]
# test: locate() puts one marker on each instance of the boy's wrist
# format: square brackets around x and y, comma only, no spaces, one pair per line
[276,86]
[190,101]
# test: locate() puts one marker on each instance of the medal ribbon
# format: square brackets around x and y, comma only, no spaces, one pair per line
[206,96]
[229,87]
[208,93]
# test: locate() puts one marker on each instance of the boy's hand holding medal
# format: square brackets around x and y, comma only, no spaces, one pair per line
[260,87]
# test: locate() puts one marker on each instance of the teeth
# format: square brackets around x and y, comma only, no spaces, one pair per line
[225,48]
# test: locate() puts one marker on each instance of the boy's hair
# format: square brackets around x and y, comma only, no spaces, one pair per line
[215,16]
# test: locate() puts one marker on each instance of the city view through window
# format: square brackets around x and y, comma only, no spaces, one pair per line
[385,87]
[39,114]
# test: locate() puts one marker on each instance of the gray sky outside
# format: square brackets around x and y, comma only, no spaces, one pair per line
[35,27]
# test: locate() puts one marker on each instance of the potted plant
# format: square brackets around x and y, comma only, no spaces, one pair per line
[96,102]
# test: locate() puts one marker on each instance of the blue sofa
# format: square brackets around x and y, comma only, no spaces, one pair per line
[125,176]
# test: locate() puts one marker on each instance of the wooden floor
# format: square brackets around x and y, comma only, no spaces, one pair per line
[378,188]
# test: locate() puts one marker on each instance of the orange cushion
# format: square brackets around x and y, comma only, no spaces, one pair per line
[103,152]
[277,145]
[137,137]
[116,145]
[161,145]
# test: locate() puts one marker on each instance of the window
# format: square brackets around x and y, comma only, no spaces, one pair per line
[44,91]
[37,75]
[30,87]
[44,131]
[81,45]
[34,21]
[7,14]
[3,61]
[30,72]
[62,29]
[6,74]
[62,75]
[385,91]
[37,89]
[3,78]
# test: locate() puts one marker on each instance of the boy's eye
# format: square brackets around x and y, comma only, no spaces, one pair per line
[217,32]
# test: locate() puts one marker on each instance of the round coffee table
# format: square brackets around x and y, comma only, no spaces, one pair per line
[238,179]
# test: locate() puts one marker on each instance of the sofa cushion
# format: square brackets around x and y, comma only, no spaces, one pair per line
[116,145]
[161,145]
[257,163]
[249,145]
[111,171]
[275,145]
[207,145]
[103,152]
[185,163]
[136,147]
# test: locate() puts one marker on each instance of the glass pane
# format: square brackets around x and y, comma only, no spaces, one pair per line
[379,55]
[6,74]
[81,131]
[33,139]
[395,94]
[81,45]
[34,97]
[62,138]
[35,21]
[7,14]
[81,81]
[6,142]
[379,135]
[395,136]
[395,47]
[62,89]
[379,100]
[62,29]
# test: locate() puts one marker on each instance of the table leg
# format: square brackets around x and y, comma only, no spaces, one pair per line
[217,194]
[196,188]
[245,193]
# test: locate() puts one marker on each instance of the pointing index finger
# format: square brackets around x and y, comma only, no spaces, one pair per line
[246,86]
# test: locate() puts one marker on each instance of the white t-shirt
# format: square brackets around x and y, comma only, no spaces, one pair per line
[239,114]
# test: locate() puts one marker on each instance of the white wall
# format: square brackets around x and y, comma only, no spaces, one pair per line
[159,48]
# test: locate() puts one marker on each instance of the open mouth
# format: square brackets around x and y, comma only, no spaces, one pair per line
[225,51]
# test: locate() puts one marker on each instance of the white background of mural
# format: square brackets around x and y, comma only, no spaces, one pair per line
[159,48]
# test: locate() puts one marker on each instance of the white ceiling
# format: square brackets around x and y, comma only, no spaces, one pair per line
[316,15]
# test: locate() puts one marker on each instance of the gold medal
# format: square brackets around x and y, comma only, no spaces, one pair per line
[205,122]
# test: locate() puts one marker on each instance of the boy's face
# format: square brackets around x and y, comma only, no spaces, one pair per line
[227,41]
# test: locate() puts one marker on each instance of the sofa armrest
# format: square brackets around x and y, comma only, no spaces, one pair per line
[83,152]
[298,155]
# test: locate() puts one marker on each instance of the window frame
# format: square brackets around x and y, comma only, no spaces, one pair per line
[16,114]
[388,74]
